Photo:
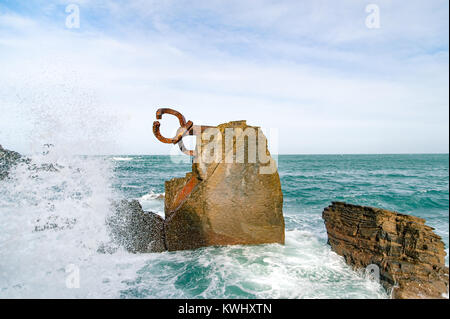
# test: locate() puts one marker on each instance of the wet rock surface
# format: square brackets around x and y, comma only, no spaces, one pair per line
[137,231]
[7,160]
[410,256]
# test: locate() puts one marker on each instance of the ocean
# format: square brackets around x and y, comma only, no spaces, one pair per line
[52,223]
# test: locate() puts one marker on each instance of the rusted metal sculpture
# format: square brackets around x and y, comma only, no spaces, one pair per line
[221,202]
[186,128]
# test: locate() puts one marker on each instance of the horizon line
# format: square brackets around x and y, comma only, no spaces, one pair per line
[284,154]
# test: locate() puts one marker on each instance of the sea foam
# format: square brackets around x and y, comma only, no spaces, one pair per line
[53,221]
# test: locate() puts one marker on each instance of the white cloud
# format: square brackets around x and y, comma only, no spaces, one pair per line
[15,21]
[323,96]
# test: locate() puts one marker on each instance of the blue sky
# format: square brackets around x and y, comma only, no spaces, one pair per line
[310,73]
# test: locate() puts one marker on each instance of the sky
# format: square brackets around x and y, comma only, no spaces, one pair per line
[318,76]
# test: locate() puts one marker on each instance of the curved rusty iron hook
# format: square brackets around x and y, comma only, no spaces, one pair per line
[183,148]
[184,129]
[180,116]
[196,130]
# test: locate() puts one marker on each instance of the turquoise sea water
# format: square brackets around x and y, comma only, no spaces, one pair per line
[303,268]
[411,184]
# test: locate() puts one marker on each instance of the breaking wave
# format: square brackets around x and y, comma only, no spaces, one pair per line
[153,202]
[53,220]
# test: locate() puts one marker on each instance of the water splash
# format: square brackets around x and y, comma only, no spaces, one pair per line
[53,212]
[52,218]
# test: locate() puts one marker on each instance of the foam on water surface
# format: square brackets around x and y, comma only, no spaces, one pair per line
[52,219]
[122,158]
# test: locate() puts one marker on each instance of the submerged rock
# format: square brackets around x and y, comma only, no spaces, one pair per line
[230,200]
[136,230]
[409,255]
[7,160]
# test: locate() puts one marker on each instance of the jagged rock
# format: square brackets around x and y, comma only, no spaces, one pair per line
[136,230]
[410,256]
[223,202]
[7,160]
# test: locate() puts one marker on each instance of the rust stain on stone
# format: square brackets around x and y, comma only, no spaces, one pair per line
[185,192]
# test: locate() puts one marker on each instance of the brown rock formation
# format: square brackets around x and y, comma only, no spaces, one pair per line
[223,202]
[410,256]
[234,199]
